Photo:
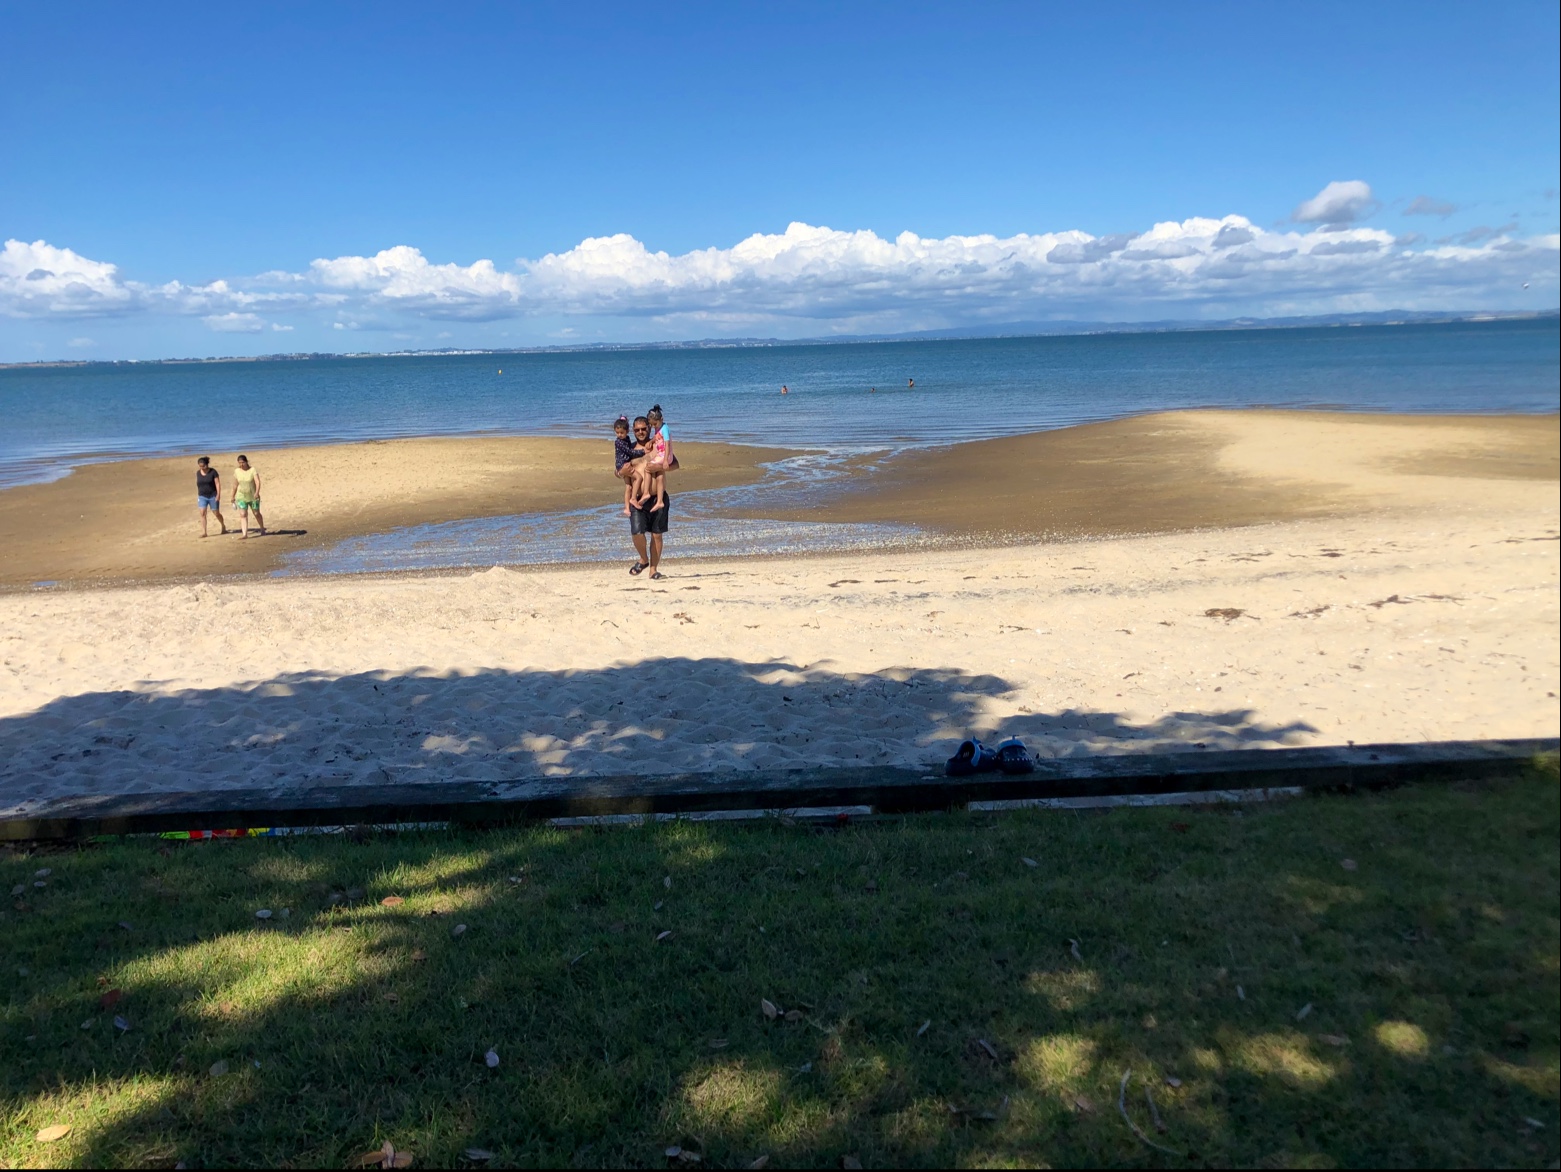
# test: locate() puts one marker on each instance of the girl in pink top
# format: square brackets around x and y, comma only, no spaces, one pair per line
[659,460]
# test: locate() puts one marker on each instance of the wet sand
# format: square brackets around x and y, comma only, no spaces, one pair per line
[1181,470]
[135,520]
[1161,473]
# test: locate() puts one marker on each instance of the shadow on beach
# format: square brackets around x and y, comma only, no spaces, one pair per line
[658,716]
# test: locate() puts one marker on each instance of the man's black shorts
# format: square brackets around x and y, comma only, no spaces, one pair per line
[644,521]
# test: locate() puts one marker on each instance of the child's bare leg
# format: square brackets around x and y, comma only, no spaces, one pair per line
[659,480]
[641,486]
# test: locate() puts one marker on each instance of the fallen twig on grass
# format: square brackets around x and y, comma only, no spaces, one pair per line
[1154,1112]
[1122,1107]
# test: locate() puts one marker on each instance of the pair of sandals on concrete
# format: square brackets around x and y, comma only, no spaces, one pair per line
[1008,756]
[641,567]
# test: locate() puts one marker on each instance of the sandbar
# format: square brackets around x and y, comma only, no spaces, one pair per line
[135,520]
[1159,473]
[1179,470]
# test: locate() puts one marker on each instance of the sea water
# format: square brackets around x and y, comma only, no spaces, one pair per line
[844,400]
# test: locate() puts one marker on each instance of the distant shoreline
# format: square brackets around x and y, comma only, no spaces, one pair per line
[1057,329]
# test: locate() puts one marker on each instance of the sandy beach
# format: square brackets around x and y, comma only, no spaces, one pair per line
[135,520]
[1178,470]
[1415,598]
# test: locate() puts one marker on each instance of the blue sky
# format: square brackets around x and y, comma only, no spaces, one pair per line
[185,166]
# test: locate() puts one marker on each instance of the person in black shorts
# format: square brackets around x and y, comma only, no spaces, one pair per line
[208,493]
[648,529]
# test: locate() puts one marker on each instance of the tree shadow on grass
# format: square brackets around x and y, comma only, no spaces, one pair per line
[1196,950]
[657,716]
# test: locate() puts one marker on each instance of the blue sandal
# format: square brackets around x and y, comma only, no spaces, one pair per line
[972,757]
[1013,757]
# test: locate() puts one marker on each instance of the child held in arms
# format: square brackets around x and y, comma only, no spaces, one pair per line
[659,459]
[628,459]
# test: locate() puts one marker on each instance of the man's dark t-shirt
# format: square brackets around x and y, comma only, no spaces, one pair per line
[645,521]
[205,482]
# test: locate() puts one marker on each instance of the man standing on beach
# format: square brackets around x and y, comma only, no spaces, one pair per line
[646,528]
[208,493]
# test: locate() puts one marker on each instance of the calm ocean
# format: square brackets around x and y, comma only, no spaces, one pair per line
[51,418]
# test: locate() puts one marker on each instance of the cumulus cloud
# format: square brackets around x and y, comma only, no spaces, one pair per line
[1073,252]
[38,279]
[234,323]
[1424,205]
[812,279]
[1233,234]
[1341,202]
[402,277]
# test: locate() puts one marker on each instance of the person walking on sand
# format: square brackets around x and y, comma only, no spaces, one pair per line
[246,495]
[647,527]
[208,493]
[648,530]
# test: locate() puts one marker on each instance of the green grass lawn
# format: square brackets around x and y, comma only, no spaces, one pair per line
[1420,926]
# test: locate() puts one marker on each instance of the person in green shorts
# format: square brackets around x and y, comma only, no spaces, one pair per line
[246,495]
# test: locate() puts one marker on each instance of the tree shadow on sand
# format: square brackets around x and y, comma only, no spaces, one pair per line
[658,716]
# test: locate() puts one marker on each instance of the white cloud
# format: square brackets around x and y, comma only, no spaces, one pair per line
[402,277]
[38,279]
[279,328]
[81,343]
[811,279]
[1338,203]
[234,323]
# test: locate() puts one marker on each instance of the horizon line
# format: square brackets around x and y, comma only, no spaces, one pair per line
[1062,327]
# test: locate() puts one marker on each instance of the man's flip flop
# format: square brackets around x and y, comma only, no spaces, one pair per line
[639,567]
[973,757]
[657,576]
[1013,757]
